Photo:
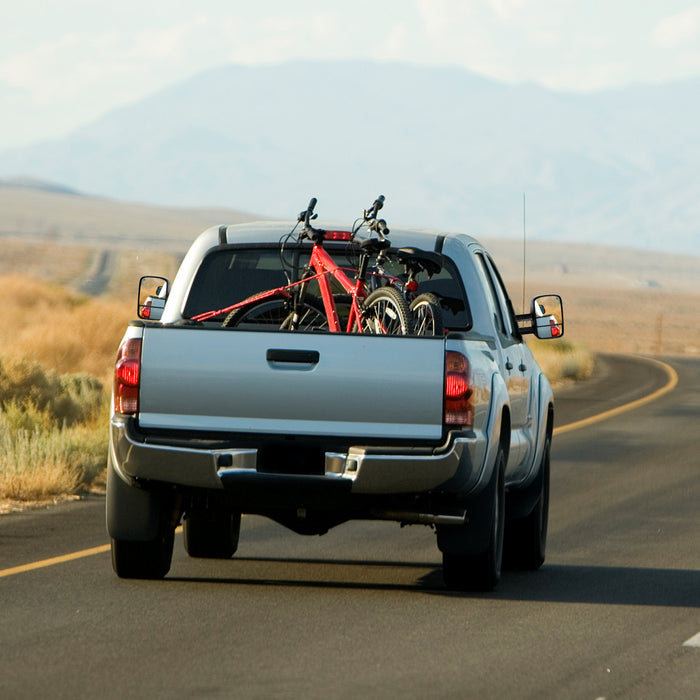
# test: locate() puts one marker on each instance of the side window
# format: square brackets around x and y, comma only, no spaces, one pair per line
[491,295]
[504,301]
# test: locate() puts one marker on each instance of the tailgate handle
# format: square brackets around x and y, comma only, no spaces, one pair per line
[303,357]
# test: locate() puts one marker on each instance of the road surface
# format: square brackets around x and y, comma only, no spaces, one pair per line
[363,612]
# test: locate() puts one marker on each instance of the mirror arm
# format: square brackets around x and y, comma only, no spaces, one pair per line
[525,318]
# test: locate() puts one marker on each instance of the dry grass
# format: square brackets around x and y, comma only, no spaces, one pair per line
[643,321]
[57,349]
[562,362]
[58,329]
[53,437]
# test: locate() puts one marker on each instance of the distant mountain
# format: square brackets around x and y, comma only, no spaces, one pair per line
[449,149]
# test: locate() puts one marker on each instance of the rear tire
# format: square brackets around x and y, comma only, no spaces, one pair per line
[386,312]
[427,315]
[141,525]
[211,534]
[147,560]
[482,571]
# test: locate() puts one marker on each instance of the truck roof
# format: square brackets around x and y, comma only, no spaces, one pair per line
[273,231]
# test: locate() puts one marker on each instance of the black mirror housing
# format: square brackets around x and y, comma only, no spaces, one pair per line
[546,317]
[153,293]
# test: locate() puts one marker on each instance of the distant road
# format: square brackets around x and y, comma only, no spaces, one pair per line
[362,611]
[98,277]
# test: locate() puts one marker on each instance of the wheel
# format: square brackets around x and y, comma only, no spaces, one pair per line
[526,538]
[148,560]
[309,315]
[141,526]
[427,315]
[278,311]
[386,312]
[211,534]
[482,571]
[269,311]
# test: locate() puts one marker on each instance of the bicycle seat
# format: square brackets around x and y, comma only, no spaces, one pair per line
[418,260]
[372,246]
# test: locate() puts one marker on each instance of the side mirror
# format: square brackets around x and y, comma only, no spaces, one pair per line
[546,317]
[153,292]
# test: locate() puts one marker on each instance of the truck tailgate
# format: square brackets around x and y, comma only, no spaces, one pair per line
[358,386]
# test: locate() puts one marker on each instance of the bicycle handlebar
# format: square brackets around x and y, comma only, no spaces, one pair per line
[308,213]
[308,231]
[371,213]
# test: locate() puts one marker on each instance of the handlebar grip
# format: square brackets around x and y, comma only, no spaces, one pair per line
[376,206]
[308,213]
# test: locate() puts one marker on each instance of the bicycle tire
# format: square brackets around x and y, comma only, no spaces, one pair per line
[386,312]
[311,316]
[427,315]
[268,311]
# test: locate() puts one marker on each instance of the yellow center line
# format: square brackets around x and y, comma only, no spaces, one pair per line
[54,560]
[670,384]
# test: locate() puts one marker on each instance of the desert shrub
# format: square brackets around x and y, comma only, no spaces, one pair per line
[53,430]
[44,395]
[561,360]
[42,462]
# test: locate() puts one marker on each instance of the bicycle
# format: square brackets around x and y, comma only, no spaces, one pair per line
[425,308]
[381,311]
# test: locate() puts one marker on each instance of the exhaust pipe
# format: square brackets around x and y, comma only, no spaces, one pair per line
[410,518]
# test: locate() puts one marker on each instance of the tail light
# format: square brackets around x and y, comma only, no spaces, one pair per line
[127,374]
[459,407]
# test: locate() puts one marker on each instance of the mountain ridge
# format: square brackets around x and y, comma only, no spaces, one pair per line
[449,149]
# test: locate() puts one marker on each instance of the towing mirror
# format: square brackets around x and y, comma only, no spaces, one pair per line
[153,292]
[546,317]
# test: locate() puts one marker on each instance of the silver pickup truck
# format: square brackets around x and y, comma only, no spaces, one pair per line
[314,428]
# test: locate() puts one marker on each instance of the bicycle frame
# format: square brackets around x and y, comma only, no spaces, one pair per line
[324,266]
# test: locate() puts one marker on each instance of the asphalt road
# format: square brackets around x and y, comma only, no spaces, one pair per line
[362,611]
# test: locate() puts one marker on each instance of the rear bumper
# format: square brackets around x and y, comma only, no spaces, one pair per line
[457,468]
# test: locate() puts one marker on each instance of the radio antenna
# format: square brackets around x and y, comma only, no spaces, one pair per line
[524,252]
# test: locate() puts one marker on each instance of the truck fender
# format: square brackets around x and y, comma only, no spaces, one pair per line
[496,430]
[521,498]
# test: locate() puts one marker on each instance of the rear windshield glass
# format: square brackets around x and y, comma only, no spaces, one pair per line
[229,276]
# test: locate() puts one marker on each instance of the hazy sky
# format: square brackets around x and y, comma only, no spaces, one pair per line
[64,63]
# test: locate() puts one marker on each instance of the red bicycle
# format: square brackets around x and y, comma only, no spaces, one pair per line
[291,307]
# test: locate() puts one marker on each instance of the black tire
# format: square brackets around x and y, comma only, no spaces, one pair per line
[482,571]
[310,315]
[386,312]
[211,534]
[526,538]
[145,560]
[427,315]
[271,311]
[278,312]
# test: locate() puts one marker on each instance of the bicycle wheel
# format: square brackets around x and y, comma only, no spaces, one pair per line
[271,311]
[386,312]
[309,315]
[427,315]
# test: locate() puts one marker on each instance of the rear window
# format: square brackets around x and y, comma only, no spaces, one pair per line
[228,276]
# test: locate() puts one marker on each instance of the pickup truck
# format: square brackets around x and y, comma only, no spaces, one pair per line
[313,428]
